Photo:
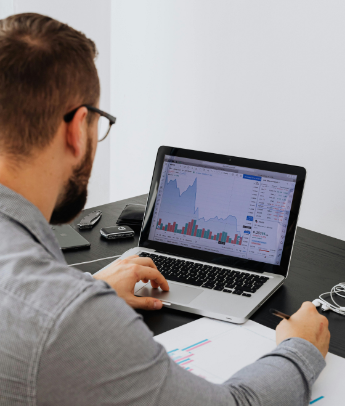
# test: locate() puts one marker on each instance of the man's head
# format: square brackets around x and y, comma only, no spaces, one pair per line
[46,70]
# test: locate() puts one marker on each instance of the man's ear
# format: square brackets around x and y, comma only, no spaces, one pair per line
[76,133]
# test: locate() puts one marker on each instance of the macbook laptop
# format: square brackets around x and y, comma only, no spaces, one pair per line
[220,229]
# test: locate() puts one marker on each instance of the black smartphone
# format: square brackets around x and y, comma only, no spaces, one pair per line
[111,233]
[69,239]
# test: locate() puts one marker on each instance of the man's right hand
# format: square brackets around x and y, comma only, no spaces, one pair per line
[306,323]
[123,274]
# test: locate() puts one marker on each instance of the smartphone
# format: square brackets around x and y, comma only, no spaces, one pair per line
[111,233]
[69,239]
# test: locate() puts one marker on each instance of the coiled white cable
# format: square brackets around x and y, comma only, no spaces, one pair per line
[337,290]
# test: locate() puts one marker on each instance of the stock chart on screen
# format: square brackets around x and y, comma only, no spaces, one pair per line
[225,209]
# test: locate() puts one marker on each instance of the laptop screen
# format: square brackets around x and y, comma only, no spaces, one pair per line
[223,209]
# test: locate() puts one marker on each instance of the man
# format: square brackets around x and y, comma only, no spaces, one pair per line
[67,338]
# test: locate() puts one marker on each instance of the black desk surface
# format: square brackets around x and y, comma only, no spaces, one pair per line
[318,263]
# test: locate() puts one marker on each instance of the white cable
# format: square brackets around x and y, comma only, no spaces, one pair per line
[337,290]
[95,260]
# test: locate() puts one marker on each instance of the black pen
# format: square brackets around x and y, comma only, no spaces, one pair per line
[279,314]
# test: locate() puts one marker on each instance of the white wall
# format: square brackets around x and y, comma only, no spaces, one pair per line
[93,18]
[6,8]
[263,80]
[258,79]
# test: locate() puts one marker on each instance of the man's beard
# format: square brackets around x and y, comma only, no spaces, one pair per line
[73,200]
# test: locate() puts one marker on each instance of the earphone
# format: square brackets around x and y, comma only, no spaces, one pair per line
[339,290]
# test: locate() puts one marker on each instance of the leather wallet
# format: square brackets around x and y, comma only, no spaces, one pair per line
[132,215]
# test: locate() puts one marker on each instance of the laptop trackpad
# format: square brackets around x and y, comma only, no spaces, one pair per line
[177,293]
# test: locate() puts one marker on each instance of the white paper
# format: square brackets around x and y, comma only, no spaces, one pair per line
[215,350]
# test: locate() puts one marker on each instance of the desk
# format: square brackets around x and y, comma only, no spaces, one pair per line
[318,263]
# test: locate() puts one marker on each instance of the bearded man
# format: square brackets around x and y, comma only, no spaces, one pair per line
[67,338]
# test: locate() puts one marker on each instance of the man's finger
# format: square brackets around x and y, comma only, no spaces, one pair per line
[154,284]
[146,303]
[143,261]
[153,275]
[130,257]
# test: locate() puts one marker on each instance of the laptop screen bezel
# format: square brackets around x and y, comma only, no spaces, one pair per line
[211,257]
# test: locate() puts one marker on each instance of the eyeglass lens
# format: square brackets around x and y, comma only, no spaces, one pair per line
[103,128]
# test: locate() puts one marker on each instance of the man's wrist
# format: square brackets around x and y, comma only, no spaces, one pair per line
[307,352]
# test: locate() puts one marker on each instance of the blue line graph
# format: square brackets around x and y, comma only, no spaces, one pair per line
[315,400]
[180,362]
[181,208]
[193,345]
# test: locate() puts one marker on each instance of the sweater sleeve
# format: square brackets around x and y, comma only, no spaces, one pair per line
[99,352]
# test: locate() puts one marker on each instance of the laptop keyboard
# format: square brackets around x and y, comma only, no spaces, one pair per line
[207,276]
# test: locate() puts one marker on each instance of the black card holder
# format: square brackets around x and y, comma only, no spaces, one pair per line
[132,215]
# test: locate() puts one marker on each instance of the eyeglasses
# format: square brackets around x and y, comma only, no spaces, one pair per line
[104,124]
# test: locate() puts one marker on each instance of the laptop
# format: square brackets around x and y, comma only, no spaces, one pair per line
[220,229]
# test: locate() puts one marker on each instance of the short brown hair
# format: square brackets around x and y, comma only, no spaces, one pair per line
[46,69]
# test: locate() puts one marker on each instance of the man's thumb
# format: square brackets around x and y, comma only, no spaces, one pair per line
[147,303]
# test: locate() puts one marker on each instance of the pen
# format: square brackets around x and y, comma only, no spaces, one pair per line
[279,314]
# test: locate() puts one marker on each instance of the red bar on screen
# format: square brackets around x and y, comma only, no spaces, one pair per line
[227,239]
[182,230]
[234,240]
[159,222]
[169,226]
[241,240]
[173,227]
[189,229]
[195,230]
[215,237]
[210,235]
[202,233]
[220,236]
